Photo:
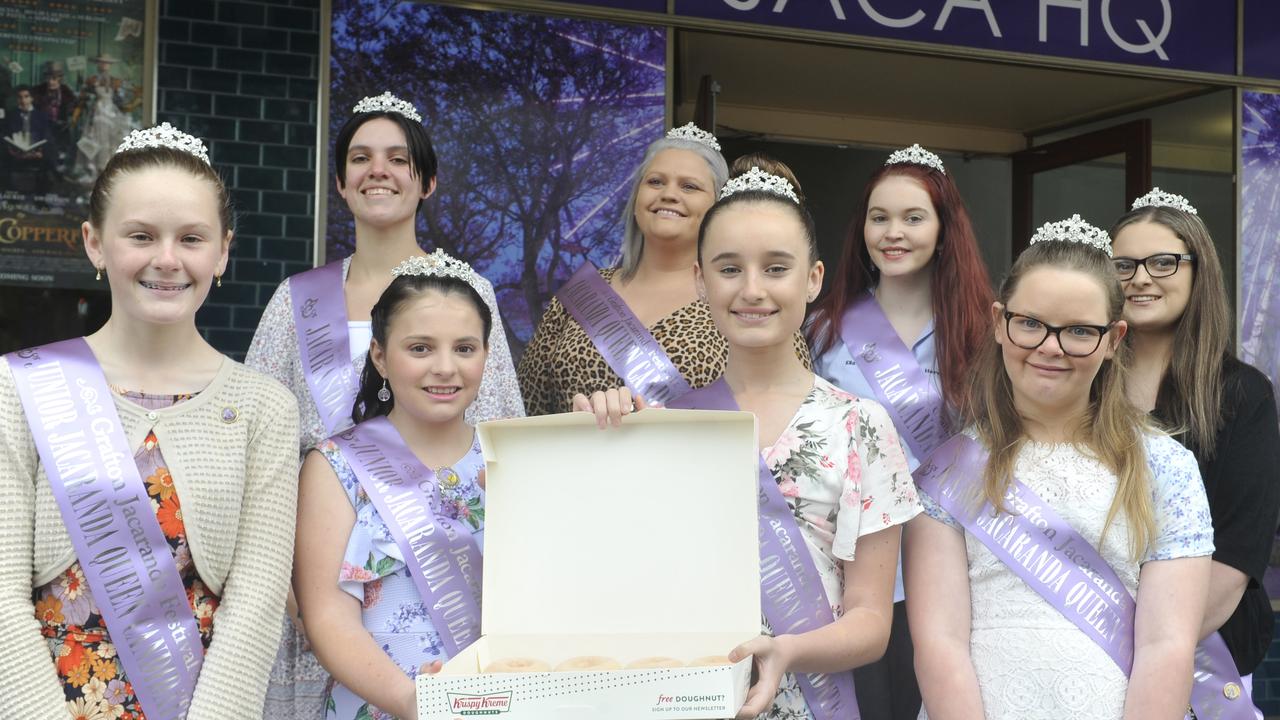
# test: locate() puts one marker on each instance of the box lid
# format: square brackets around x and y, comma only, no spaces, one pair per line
[650,527]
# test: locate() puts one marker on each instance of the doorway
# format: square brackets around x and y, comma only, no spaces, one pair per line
[834,113]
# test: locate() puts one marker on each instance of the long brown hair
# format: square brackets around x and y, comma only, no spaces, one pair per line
[1190,394]
[1112,428]
[960,287]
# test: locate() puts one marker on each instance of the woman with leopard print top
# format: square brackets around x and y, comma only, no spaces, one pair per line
[673,187]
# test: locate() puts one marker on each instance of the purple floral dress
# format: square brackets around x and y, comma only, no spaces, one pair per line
[373,571]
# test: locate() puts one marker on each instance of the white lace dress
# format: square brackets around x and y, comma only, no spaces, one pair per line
[1031,662]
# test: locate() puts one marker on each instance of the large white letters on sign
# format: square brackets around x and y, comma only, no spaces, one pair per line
[1081,5]
[887,21]
[1154,42]
[983,5]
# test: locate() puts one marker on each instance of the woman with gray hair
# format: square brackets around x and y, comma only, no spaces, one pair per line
[639,324]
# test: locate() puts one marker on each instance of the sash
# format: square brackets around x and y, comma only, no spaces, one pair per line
[619,336]
[898,381]
[1069,573]
[320,318]
[122,551]
[791,591]
[440,553]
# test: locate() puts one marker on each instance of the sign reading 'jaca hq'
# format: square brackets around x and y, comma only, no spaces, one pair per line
[1196,35]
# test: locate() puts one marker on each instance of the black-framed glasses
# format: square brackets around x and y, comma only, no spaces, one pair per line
[1158,265]
[1030,333]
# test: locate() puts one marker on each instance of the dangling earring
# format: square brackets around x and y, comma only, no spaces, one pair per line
[385,393]
[98,276]
[218,278]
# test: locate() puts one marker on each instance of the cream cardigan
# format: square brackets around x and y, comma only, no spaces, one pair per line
[238,484]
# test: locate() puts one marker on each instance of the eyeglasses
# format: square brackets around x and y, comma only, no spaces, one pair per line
[1029,333]
[1158,265]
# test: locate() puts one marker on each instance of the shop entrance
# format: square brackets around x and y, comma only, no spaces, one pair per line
[1026,144]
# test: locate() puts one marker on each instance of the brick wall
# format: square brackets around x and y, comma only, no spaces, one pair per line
[244,76]
[1266,679]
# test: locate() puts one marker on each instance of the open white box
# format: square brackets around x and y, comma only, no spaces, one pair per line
[628,542]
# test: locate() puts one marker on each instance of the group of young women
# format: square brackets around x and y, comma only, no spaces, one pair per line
[1085,474]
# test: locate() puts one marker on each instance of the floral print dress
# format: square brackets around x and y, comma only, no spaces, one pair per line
[373,571]
[84,656]
[841,467]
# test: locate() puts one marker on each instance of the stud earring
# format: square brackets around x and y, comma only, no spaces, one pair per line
[385,393]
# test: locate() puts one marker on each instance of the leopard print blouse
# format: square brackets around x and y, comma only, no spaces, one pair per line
[561,361]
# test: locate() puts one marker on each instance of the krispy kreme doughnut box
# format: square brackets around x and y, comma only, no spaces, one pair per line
[628,543]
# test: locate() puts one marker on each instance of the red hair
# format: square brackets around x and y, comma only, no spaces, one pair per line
[960,287]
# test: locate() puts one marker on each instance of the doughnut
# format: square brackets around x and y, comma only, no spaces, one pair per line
[709,660]
[589,662]
[656,661]
[517,665]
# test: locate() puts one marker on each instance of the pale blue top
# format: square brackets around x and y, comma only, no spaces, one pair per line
[841,369]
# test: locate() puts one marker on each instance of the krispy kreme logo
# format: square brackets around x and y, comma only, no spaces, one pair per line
[492,704]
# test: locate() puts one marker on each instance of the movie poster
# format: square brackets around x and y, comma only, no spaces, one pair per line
[73,81]
[538,123]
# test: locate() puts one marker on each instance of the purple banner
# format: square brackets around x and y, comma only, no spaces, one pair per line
[107,513]
[653,6]
[621,338]
[1262,38]
[440,553]
[791,591]
[1178,34]
[890,368]
[1259,262]
[1058,563]
[320,318]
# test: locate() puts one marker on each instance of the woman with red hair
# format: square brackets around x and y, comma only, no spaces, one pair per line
[906,311]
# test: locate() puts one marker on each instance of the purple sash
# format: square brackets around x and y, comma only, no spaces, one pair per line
[791,591]
[624,342]
[441,554]
[320,317]
[122,551]
[890,368]
[1069,573]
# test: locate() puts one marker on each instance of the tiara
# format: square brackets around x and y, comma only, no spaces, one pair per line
[1160,198]
[166,136]
[386,102]
[1075,230]
[916,155]
[757,180]
[693,133]
[437,264]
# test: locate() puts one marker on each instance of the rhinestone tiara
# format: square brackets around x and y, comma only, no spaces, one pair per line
[1160,198]
[757,180]
[386,102]
[1076,230]
[916,155]
[166,136]
[438,264]
[693,133]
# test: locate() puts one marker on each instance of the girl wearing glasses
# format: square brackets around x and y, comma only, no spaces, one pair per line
[1014,612]
[906,309]
[1185,374]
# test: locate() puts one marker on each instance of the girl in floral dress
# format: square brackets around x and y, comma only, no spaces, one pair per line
[371,628]
[835,458]
[214,447]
